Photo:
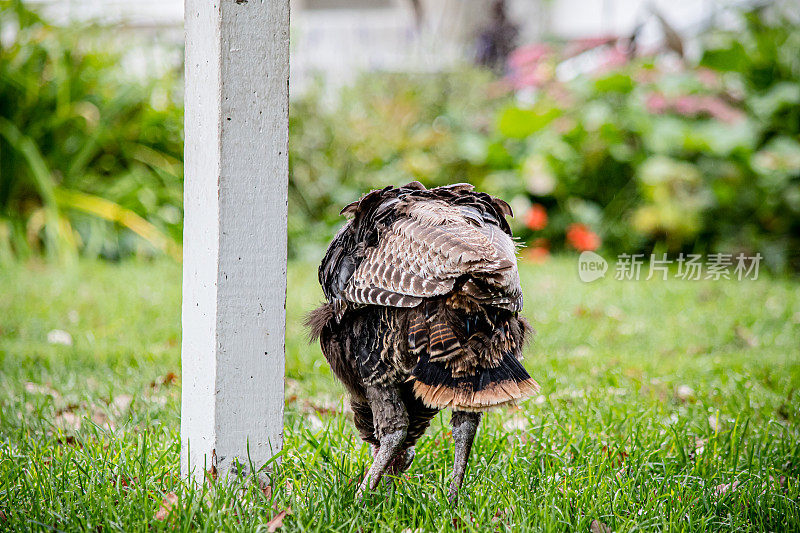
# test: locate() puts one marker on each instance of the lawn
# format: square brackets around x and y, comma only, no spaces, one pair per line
[665,405]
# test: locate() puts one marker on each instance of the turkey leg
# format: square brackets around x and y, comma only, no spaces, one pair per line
[391,426]
[464,425]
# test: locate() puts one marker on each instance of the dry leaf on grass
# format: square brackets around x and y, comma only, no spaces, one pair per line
[170,378]
[321,407]
[617,456]
[266,489]
[122,482]
[746,337]
[599,527]
[685,393]
[68,420]
[59,336]
[463,523]
[722,490]
[102,420]
[167,504]
[516,423]
[500,514]
[38,388]
[277,521]
[121,404]
[69,440]
[211,472]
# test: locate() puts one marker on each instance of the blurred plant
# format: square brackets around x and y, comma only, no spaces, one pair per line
[673,201]
[388,129]
[635,154]
[654,154]
[88,157]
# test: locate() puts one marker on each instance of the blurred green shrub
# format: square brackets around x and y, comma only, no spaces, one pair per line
[637,155]
[641,155]
[386,129]
[84,150]
[656,154]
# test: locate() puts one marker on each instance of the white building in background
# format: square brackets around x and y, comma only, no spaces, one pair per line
[339,38]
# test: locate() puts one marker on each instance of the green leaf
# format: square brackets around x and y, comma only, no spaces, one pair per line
[666,135]
[616,82]
[41,176]
[733,58]
[720,138]
[779,159]
[519,123]
[783,94]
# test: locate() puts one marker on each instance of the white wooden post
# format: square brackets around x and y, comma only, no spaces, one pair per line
[235,197]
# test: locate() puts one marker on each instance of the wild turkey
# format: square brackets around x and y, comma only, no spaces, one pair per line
[422,313]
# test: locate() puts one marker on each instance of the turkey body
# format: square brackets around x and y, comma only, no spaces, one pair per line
[422,314]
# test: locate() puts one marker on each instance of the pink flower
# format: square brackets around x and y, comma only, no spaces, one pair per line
[530,79]
[532,76]
[687,105]
[708,78]
[578,46]
[611,59]
[656,103]
[560,94]
[692,105]
[530,66]
[525,55]
[720,110]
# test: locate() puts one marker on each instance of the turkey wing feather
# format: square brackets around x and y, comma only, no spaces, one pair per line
[423,254]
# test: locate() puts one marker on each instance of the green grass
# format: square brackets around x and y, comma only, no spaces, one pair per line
[665,405]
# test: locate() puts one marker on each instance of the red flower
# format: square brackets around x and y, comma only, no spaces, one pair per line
[582,238]
[536,217]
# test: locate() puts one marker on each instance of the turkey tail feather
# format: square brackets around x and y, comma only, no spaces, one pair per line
[443,342]
[505,384]
[468,360]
